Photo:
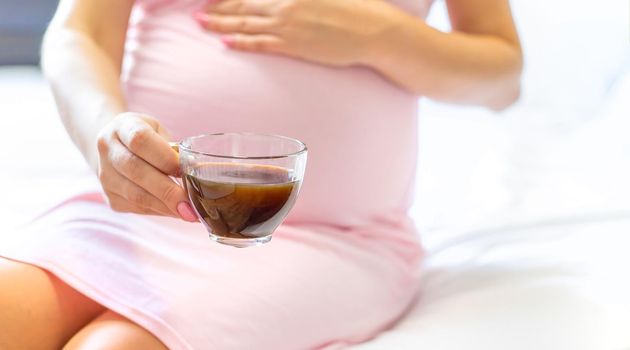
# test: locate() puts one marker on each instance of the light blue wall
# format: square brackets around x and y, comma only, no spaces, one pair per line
[22,23]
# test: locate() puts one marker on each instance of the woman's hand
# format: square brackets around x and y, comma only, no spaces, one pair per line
[333,32]
[134,165]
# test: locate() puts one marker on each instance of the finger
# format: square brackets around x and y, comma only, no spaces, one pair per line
[149,178]
[241,7]
[134,195]
[121,204]
[143,140]
[257,43]
[238,24]
[162,132]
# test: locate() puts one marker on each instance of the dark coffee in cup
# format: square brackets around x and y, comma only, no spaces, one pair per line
[241,200]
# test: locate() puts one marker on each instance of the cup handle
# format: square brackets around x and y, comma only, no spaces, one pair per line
[174,146]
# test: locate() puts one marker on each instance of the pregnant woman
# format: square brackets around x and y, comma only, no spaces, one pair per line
[125,265]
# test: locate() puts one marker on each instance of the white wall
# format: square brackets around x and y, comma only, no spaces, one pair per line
[552,155]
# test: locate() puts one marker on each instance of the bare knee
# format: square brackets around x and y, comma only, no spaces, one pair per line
[19,295]
[38,310]
[112,331]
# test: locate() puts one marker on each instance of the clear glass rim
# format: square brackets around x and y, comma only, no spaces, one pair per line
[302,145]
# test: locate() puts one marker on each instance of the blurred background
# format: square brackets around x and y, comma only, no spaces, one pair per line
[538,195]
[22,23]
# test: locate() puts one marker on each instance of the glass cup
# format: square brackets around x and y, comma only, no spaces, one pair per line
[242,185]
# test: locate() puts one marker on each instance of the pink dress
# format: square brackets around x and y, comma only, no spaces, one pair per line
[342,267]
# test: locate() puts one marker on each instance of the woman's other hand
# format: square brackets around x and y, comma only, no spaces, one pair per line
[332,32]
[134,164]
[478,62]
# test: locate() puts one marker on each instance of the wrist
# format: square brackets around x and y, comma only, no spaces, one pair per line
[397,37]
[381,44]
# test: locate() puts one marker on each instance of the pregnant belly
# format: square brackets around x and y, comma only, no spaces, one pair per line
[359,128]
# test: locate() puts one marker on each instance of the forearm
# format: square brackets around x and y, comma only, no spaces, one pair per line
[86,85]
[454,67]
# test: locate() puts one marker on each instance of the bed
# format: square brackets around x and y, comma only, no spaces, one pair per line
[525,214]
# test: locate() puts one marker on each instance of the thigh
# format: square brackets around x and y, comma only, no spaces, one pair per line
[112,331]
[306,290]
[35,300]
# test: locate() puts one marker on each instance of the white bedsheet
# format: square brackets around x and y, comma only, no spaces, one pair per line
[549,285]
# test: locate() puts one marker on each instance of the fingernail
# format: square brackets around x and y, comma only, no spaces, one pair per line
[186,212]
[201,17]
[226,40]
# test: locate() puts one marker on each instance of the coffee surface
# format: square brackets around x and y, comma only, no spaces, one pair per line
[241,200]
